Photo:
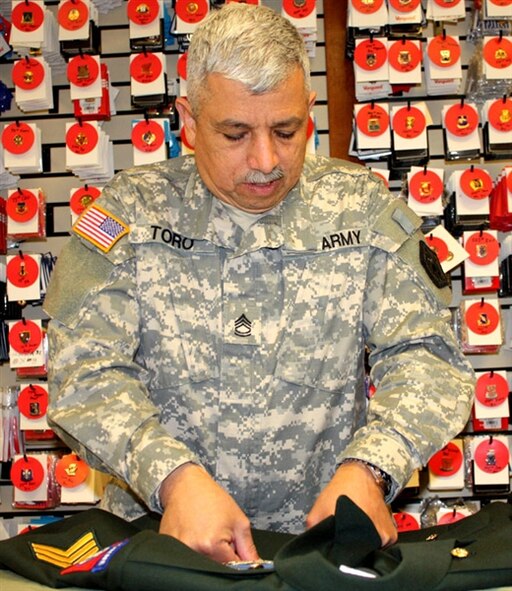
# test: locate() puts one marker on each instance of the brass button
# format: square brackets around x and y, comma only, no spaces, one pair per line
[459,553]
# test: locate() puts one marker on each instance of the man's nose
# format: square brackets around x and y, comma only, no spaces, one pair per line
[263,155]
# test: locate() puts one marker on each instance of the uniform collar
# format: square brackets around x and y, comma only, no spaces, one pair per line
[203,217]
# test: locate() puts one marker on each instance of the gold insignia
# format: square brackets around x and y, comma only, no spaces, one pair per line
[500,54]
[83,72]
[73,15]
[149,138]
[80,550]
[445,56]
[404,57]
[86,200]
[28,77]
[27,18]
[459,553]
[505,116]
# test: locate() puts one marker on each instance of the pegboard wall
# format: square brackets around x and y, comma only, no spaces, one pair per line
[469,484]
[56,180]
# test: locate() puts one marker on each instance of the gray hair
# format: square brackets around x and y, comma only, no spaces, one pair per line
[249,44]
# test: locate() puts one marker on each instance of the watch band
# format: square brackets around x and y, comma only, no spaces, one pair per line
[382,479]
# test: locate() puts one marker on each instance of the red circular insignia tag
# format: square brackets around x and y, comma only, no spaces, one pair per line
[498,52]
[145,68]
[483,248]
[27,16]
[476,183]
[310,128]
[73,15]
[33,402]
[147,136]
[18,138]
[298,8]
[143,12]
[482,318]
[461,120]
[181,66]
[446,461]
[28,73]
[25,337]
[23,271]
[372,120]
[404,5]
[501,2]
[191,11]
[492,456]
[21,206]
[491,389]
[381,176]
[82,198]
[409,122]
[447,3]
[81,138]
[71,471]
[500,114]
[425,186]
[404,56]
[83,70]
[27,474]
[439,247]
[370,54]
[367,6]
[444,51]
[451,517]
[405,522]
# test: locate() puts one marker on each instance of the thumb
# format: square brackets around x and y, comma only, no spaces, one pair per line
[244,545]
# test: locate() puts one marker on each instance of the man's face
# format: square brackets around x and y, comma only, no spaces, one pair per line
[249,148]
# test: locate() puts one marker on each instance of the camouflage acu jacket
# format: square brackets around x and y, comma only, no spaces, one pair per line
[190,339]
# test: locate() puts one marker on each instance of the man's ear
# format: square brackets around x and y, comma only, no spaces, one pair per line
[189,123]
[312,99]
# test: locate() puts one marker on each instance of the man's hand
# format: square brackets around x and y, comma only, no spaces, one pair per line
[356,482]
[202,515]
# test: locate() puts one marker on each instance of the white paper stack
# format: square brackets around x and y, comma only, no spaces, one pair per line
[39,98]
[150,140]
[43,38]
[26,162]
[7,179]
[93,163]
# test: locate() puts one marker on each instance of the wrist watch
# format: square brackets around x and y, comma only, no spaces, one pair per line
[382,479]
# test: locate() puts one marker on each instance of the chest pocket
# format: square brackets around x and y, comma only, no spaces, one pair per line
[180,302]
[321,344]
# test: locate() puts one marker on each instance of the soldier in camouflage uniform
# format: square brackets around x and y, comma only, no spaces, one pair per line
[210,315]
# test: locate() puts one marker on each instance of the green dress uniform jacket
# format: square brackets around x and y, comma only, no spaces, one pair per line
[189,339]
[474,553]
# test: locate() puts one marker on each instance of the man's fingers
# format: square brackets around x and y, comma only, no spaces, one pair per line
[244,544]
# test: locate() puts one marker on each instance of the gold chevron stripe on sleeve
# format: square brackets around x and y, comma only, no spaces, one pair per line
[80,550]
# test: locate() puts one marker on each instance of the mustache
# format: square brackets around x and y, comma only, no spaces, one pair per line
[258,177]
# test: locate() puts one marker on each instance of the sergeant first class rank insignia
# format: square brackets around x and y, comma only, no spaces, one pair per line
[100,227]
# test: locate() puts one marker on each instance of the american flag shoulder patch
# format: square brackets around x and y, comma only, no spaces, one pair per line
[100,227]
